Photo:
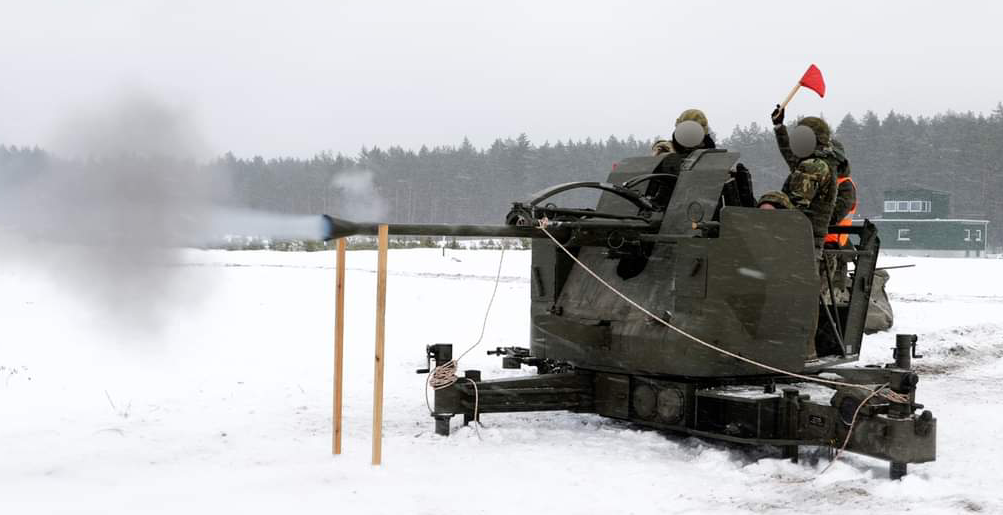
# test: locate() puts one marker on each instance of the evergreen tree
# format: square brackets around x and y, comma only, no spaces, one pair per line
[961,153]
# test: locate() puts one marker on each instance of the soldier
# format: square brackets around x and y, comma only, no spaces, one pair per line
[842,215]
[846,195]
[674,146]
[811,185]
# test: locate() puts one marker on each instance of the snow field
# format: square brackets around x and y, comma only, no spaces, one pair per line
[225,406]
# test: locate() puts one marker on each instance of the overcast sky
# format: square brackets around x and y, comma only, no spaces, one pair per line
[297,78]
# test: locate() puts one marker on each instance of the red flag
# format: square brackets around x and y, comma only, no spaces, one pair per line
[812,79]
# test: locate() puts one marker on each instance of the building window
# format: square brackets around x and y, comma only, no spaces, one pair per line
[907,206]
[978,235]
[968,235]
[903,235]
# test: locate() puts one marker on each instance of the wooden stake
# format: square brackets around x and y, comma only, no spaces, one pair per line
[381,312]
[339,342]
[790,95]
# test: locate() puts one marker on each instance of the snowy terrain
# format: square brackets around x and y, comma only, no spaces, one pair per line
[226,406]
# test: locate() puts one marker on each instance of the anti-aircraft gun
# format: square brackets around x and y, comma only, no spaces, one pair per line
[734,319]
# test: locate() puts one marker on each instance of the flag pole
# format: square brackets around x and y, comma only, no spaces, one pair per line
[790,95]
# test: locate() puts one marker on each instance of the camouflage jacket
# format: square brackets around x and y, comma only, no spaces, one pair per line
[811,185]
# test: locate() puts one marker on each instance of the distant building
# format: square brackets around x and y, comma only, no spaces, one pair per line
[917,222]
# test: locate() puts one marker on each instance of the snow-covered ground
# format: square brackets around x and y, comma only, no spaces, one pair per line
[225,406]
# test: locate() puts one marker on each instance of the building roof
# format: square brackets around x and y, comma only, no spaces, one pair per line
[916,189]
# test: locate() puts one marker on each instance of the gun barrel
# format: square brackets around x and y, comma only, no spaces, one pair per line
[484,230]
[339,228]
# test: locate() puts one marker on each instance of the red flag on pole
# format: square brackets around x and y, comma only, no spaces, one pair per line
[812,79]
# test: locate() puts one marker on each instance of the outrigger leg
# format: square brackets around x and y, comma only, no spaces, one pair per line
[545,392]
[442,424]
[892,427]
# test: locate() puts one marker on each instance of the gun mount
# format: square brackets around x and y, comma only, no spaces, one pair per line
[682,236]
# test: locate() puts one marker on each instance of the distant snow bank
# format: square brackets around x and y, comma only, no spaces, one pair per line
[972,277]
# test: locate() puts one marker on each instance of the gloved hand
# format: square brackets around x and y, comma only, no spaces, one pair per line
[777,116]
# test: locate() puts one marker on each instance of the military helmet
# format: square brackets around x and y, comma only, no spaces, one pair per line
[819,127]
[694,115]
[777,199]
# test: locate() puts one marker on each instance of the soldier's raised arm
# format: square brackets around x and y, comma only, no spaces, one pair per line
[783,139]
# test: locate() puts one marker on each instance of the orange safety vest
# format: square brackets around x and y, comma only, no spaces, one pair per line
[847,220]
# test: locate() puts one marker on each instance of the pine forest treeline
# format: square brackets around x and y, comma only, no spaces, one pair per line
[961,153]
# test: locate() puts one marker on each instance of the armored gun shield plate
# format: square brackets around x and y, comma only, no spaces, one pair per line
[761,294]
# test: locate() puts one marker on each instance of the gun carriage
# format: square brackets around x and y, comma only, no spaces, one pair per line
[682,238]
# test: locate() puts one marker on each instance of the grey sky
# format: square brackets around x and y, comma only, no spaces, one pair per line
[296,78]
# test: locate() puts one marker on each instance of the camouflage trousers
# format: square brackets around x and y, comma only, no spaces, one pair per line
[833,286]
[833,271]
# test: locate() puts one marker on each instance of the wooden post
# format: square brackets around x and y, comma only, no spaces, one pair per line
[790,95]
[339,342]
[381,311]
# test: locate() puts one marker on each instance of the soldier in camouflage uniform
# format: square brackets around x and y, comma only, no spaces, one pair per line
[846,204]
[846,191]
[673,147]
[811,185]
